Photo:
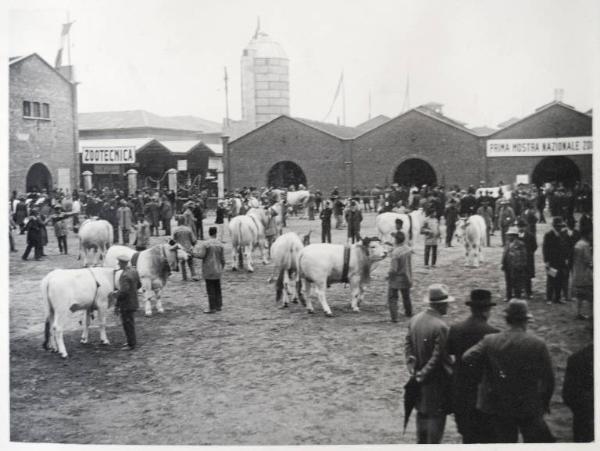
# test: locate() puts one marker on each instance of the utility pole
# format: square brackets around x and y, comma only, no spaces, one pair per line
[343,100]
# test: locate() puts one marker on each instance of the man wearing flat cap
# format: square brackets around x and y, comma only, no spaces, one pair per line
[127,300]
[429,363]
[517,381]
[474,425]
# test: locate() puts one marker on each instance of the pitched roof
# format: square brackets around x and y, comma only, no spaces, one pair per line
[143,119]
[484,130]
[340,131]
[371,123]
[443,118]
[538,110]
[17,59]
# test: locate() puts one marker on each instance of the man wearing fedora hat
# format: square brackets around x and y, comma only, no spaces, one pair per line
[127,299]
[472,424]
[429,363]
[514,264]
[556,251]
[517,380]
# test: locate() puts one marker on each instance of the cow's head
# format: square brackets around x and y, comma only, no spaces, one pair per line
[461,225]
[174,253]
[306,238]
[373,248]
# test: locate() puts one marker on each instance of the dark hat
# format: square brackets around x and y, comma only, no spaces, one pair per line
[521,223]
[557,220]
[399,237]
[517,309]
[437,293]
[480,298]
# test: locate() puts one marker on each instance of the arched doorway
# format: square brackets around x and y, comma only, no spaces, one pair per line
[38,178]
[284,174]
[415,171]
[556,169]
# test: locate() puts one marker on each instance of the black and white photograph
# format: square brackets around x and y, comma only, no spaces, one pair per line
[299,223]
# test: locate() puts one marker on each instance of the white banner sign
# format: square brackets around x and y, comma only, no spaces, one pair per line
[108,155]
[542,147]
[182,165]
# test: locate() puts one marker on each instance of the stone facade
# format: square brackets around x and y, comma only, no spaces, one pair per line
[52,141]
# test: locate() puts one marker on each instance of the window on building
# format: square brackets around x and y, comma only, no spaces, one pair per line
[26,108]
[36,109]
[45,111]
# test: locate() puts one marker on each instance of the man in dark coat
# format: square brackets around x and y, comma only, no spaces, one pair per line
[518,379]
[451,218]
[428,361]
[474,425]
[556,251]
[152,213]
[530,242]
[353,219]
[166,213]
[468,204]
[127,300]
[578,393]
[34,229]
[199,215]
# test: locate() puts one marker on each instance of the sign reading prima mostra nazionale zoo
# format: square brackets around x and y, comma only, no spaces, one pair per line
[580,145]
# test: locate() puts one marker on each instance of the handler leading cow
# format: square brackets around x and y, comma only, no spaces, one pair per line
[324,263]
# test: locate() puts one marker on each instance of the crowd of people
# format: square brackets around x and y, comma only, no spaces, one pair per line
[497,383]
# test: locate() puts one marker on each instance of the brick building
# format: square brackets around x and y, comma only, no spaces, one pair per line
[421,146]
[42,126]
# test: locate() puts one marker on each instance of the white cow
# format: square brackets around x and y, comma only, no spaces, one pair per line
[285,252]
[411,225]
[94,235]
[247,233]
[154,266]
[473,231]
[65,291]
[297,200]
[322,264]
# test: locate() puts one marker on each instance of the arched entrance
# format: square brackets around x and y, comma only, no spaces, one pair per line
[556,169]
[284,174]
[38,178]
[415,171]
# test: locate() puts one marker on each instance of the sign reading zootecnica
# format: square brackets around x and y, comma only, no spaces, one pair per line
[108,155]
[543,147]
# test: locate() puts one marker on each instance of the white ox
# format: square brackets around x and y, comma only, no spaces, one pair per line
[94,235]
[68,290]
[285,252]
[411,225]
[154,266]
[322,264]
[472,231]
[248,232]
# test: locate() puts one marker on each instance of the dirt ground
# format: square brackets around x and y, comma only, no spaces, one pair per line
[253,374]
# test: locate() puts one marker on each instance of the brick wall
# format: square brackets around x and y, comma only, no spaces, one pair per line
[556,121]
[51,142]
[321,156]
[455,155]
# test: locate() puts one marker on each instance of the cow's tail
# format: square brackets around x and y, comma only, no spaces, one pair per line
[410,227]
[79,256]
[45,287]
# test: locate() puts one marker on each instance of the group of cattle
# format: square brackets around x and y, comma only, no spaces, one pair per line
[300,269]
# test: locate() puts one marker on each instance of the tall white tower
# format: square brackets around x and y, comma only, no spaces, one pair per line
[265,81]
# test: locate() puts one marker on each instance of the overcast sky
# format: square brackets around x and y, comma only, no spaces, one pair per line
[485,61]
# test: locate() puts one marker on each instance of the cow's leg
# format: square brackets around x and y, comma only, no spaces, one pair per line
[355,295]
[159,306]
[248,257]
[58,333]
[234,258]
[467,254]
[476,253]
[102,313]
[264,255]
[86,326]
[285,292]
[320,290]
[307,288]
[147,292]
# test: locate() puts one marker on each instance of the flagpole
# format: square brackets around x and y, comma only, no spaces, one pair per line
[226,98]
[343,100]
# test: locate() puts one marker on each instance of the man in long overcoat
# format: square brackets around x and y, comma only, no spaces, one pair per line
[127,299]
[474,425]
[428,361]
[518,379]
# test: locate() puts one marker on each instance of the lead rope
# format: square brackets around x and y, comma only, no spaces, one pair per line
[91,309]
